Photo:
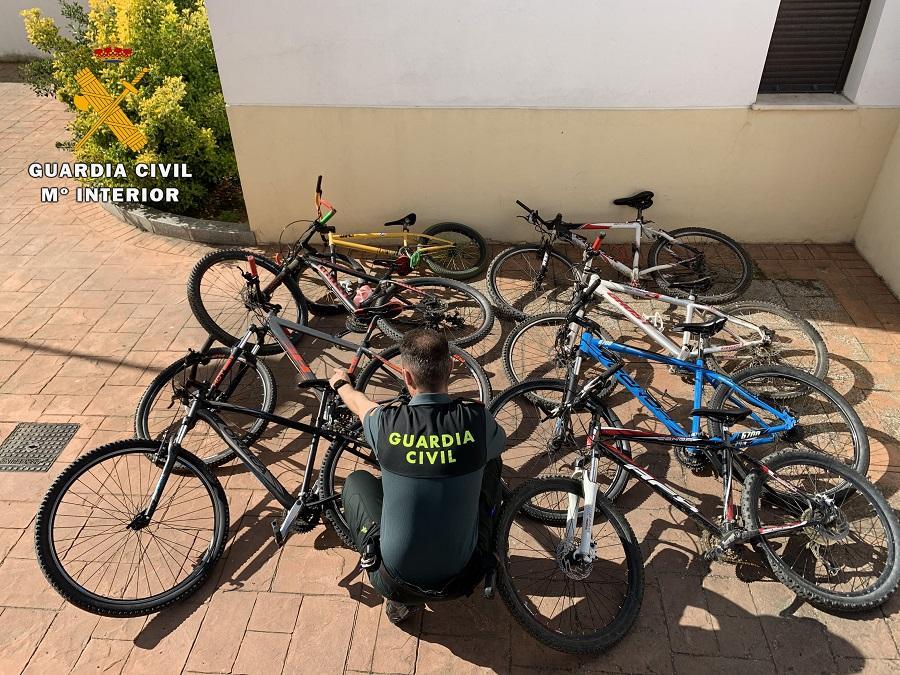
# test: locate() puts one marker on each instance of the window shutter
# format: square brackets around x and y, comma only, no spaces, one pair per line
[812,45]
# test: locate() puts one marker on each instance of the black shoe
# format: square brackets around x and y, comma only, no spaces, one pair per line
[397,612]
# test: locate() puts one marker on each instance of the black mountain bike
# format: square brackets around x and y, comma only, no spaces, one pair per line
[225,302]
[531,279]
[137,525]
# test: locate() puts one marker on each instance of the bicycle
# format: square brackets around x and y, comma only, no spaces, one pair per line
[450,250]
[776,335]
[530,279]
[809,515]
[136,525]
[238,376]
[818,418]
[224,293]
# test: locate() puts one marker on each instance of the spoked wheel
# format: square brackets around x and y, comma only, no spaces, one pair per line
[321,299]
[530,279]
[249,384]
[382,381]
[536,348]
[343,458]
[793,341]
[717,262]
[535,448]
[97,552]
[826,422]
[451,307]
[467,257]
[846,559]
[565,602]
[219,297]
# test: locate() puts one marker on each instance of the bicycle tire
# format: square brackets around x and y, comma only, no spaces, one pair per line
[142,423]
[63,583]
[594,405]
[376,365]
[506,307]
[466,231]
[859,461]
[519,608]
[393,328]
[210,324]
[819,351]
[857,601]
[746,274]
[312,288]
[542,348]
[327,486]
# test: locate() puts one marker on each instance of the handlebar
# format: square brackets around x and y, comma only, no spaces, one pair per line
[523,206]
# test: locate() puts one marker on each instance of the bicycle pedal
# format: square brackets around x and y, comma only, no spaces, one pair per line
[276,532]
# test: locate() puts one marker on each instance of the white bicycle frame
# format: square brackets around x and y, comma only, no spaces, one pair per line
[635,273]
[606,290]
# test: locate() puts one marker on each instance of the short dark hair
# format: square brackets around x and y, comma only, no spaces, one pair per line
[426,355]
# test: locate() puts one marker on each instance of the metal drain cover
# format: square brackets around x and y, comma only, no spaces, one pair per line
[34,446]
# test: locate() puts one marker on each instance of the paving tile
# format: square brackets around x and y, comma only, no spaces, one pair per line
[221,632]
[275,612]
[308,570]
[103,656]
[323,628]
[262,653]
[63,642]
[23,585]
[164,642]
[21,631]
[459,654]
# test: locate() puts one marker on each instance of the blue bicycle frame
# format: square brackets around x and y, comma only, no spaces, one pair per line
[600,349]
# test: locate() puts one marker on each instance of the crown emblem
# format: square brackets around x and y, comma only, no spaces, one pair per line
[113,54]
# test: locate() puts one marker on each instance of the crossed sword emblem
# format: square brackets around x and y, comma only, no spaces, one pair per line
[107,108]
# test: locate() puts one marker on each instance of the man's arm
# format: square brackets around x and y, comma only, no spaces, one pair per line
[358,403]
[495,439]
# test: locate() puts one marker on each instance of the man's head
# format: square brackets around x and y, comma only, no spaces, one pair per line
[425,356]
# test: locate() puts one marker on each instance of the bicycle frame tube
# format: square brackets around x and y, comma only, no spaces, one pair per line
[593,346]
[403,238]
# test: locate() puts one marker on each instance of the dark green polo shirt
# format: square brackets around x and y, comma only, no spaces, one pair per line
[429,526]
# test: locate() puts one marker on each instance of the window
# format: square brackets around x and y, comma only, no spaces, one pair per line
[812,46]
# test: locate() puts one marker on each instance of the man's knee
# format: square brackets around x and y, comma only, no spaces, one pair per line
[360,482]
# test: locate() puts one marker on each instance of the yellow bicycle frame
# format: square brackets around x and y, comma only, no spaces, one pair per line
[404,239]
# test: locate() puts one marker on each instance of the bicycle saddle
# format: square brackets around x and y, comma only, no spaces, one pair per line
[407,221]
[727,416]
[710,327]
[641,200]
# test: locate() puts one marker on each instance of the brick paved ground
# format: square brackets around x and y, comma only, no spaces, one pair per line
[91,309]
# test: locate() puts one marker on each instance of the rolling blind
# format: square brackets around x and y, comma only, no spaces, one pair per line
[812,45]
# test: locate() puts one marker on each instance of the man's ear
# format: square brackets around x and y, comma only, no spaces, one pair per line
[408,379]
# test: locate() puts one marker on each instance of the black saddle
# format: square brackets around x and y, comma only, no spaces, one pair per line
[727,416]
[640,201]
[710,327]
[406,221]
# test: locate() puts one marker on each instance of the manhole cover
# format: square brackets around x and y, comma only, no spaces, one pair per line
[35,446]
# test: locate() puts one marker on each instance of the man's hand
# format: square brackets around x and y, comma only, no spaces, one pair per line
[337,376]
[356,401]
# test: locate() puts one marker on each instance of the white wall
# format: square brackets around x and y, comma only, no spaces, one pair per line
[874,77]
[13,43]
[504,53]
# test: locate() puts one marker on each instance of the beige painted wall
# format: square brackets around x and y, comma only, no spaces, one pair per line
[878,238]
[757,175]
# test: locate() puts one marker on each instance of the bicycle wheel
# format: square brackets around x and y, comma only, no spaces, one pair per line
[342,458]
[531,350]
[451,307]
[522,284]
[698,253]
[249,384]
[382,381]
[321,299]
[93,555]
[217,293]
[794,341]
[533,447]
[569,605]
[467,258]
[846,562]
[826,422]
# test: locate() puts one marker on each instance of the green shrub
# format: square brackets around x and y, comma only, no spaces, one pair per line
[179,106]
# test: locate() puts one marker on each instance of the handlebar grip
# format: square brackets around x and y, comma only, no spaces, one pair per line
[319,185]
[596,245]
[523,206]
